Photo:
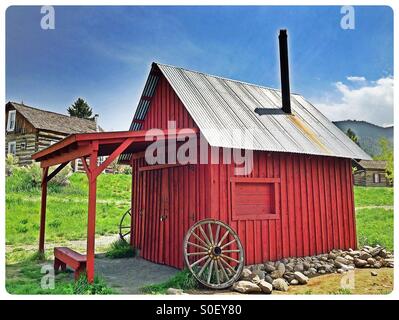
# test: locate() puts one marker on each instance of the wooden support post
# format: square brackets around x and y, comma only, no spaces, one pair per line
[91,223]
[43,210]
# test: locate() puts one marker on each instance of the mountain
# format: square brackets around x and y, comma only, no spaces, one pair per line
[368,134]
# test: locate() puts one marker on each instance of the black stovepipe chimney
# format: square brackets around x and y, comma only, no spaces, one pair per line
[284,71]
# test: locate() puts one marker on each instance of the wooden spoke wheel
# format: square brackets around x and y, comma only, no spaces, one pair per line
[213,253]
[125,226]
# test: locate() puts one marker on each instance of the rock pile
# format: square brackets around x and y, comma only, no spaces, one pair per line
[278,275]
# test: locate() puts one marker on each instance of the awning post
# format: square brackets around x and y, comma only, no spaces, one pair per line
[43,209]
[91,223]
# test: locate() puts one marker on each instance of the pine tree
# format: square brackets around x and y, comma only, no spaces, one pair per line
[352,136]
[80,109]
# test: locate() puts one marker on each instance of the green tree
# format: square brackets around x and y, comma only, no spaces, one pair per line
[352,136]
[387,155]
[80,109]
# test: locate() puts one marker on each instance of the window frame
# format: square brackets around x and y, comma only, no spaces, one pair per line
[376,175]
[267,216]
[14,113]
[15,147]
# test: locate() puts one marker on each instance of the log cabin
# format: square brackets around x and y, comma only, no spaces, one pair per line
[29,130]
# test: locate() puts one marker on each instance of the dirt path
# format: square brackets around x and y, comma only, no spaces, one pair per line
[76,200]
[375,207]
[359,282]
[127,276]
[102,242]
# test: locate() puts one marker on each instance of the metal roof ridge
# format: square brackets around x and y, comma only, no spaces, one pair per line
[223,78]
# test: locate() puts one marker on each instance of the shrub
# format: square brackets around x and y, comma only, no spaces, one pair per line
[29,178]
[120,249]
[11,163]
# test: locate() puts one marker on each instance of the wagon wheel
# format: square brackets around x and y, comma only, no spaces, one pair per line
[213,253]
[125,226]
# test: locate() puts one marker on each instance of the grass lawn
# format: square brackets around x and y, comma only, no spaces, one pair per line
[67,210]
[375,226]
[373,196]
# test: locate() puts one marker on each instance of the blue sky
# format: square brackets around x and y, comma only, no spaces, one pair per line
[103,54]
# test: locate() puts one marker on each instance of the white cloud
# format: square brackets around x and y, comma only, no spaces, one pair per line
[356,79]
[372,102]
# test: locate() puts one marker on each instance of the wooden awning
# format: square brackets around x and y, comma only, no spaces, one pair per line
[90,146]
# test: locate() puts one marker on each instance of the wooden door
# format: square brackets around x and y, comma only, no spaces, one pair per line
[155,214]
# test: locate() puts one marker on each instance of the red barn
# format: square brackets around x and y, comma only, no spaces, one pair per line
[295,197]
[298,199]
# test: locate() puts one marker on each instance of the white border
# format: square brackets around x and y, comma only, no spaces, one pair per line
[3,292]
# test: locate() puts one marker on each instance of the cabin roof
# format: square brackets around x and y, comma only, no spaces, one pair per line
[373,164]
[52,121]
[223,108]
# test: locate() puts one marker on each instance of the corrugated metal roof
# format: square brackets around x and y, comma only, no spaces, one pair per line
[225,110]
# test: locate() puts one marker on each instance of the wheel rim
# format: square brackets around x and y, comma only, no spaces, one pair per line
[125,226]
[213,253]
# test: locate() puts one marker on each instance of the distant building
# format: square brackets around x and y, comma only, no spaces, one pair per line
[29,130]
[371,173]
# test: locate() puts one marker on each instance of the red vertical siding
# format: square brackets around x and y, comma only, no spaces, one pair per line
[315,199]
[307,192]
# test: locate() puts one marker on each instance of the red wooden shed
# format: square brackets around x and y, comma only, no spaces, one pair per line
[296,199]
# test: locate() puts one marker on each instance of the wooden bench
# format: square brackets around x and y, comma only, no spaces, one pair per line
[64,256]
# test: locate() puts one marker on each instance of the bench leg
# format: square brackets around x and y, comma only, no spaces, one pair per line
[79,271]
[58,263]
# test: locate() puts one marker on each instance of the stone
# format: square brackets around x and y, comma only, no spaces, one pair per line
[354,253]
[284,261]
[342,260]
[374,274]
[174,291]
[375,251]
[383,253]
[279,272]
[332,255]
[246,273]
[299,267]
[306,265]
[289,267]
[302,279]
[340,271]
[322,271]
[259,267]
[294,282]
[312,271]
[329,268]
[377,265]
[254,278]
[289,276]
[269,267]
[261,274]
[364,255]
[280,284]
[359,263]
[265,286]
[371,261]
[281,268]
[244,286]
[349,258]
[269,279]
